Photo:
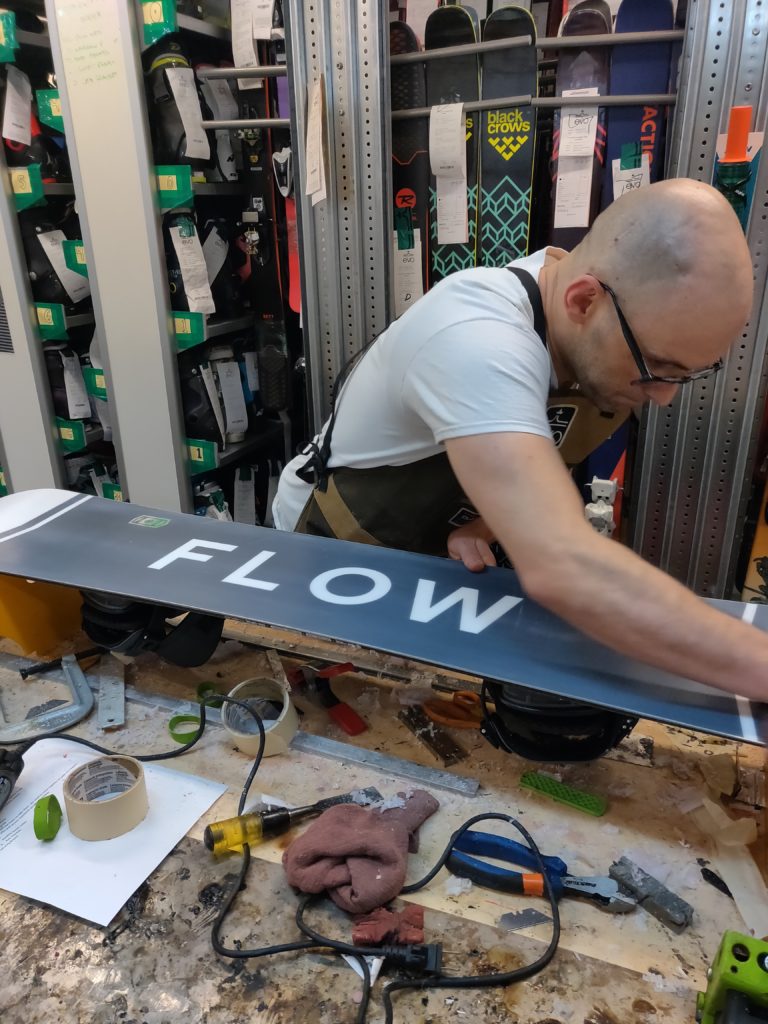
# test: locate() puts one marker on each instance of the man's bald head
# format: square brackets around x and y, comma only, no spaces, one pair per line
[675,237]
[675,256]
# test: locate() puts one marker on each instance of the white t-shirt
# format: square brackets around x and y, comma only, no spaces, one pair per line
[463,360]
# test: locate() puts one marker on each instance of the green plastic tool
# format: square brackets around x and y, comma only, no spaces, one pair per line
[586,802]
[738,980]
[46,818]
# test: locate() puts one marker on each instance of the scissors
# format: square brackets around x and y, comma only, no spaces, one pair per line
[463,711]
[603,891]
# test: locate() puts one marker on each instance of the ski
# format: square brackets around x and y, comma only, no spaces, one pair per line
[454,80]
[507,140]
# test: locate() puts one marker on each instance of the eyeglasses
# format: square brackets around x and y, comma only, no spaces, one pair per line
[646,377]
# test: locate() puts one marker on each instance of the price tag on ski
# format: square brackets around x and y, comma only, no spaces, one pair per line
[17,108]
[408,277]
[578,126]
[628,179]
[263,11]
[51,321]
[174,185]
[448,160]
[27,185]
[3,487]
[112,491]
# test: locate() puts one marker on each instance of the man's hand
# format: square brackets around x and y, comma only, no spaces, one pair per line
[470,544]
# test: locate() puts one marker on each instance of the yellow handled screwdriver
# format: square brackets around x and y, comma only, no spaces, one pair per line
[256,826]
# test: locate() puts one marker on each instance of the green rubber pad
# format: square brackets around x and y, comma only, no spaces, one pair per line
[46,819]
[183,735]
[586,802]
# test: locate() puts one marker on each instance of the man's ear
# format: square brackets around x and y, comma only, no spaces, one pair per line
[580,297]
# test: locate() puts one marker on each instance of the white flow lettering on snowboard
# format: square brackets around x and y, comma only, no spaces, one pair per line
[424,610]
[187,551]
[381,586]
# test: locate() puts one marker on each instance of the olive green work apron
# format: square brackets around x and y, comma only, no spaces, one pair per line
[415,507]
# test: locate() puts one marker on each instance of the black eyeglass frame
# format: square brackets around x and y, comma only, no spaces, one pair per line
[646,377]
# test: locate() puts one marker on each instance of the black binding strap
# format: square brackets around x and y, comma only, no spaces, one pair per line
[534,297]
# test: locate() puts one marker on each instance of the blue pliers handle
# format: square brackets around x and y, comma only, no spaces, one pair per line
[604,891]
[483,844]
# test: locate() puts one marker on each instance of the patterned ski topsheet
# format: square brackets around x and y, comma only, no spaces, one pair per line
[453,81]
[507,140]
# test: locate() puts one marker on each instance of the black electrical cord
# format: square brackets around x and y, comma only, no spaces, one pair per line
[317,941]
[467,981]
[482,980]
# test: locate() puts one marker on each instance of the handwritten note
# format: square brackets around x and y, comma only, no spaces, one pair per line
[448,161]
[578,126]
[632,178]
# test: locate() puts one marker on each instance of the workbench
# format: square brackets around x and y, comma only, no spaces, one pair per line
[154,963]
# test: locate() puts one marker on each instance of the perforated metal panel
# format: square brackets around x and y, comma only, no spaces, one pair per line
[693,478]
[344,279]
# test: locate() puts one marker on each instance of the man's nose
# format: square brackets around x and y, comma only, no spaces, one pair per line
[661,394]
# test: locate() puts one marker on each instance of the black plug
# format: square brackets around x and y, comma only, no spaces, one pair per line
[426,958]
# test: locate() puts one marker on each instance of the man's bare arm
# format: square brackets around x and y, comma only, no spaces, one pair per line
[526,497]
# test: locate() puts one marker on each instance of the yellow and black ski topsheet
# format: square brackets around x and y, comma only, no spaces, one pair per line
[454,80]
[507,139]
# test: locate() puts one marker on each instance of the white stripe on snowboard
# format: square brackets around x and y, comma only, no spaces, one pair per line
[743,706]
[28,508]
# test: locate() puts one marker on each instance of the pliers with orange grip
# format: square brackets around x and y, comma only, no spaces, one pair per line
[603,891]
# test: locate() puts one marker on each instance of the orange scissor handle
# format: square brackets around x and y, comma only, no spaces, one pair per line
[463,711]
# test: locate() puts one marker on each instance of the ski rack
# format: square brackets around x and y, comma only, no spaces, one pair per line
[544,43]
[654,99]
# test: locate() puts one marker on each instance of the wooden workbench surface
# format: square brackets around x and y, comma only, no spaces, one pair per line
[155,964]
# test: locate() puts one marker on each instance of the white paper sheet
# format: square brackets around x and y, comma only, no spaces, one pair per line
[182,82]
[631,179]
[243,47]
[448,162]
[578,126]
[17,119]
[194,272]
[262,18]
[77,397]
[92,880]
[409,285]
[573,192]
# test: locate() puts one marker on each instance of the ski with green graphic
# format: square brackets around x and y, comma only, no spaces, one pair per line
[507,139]
[454,80]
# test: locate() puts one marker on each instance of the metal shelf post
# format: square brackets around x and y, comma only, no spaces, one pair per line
[692,480]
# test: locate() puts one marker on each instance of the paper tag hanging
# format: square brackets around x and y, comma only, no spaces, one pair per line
[76,286]
[578,126]
[232,396]
[630,178]
[77,397]
[17,110]
[194,272]
[215,251]
[243,46]
[210,386]
[182,83]
[408,279]
[245,496]
[573,191]
[315,161]
[49,108]
[448,161]
[262,18]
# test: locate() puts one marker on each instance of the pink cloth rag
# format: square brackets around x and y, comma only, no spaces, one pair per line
[358,854]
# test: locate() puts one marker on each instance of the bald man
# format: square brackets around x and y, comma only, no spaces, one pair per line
[450,404]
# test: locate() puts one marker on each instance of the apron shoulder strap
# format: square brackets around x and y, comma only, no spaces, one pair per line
[534,297]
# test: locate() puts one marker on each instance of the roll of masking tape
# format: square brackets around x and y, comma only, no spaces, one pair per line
[105,798]
[271,701]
